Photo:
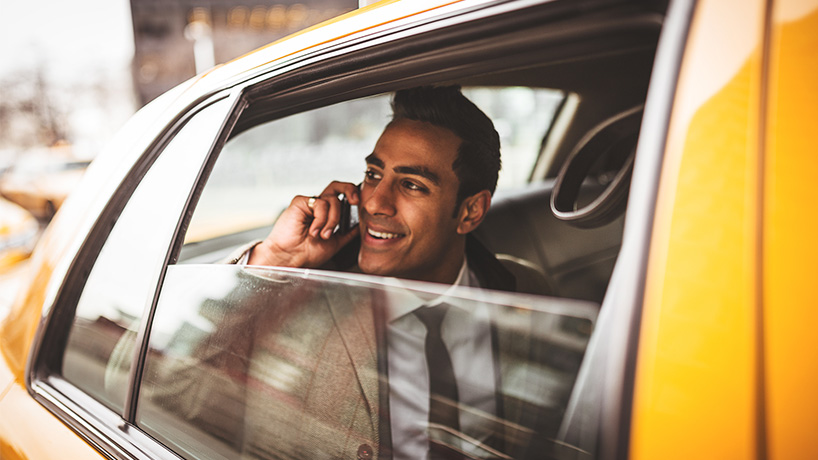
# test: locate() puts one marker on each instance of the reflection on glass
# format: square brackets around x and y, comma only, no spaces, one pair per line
[100,346]
[270,363]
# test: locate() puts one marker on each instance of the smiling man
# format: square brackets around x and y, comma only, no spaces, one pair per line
[408,227]
[428,185]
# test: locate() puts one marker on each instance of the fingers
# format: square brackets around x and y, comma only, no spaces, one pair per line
[326,209]
[349,190]
[321,211]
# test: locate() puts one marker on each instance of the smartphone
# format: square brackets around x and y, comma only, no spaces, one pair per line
[349,216]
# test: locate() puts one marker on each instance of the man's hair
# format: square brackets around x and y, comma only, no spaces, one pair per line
[478,159]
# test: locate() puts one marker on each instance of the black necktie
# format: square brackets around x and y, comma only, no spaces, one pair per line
[443,395]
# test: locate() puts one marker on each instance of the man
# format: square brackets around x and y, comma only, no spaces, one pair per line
[448,388]
[428,185]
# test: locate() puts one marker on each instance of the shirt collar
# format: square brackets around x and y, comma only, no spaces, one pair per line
[403,301]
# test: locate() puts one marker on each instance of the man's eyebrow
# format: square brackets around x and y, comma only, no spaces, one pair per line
[421,171]
[418,171]
[373,159]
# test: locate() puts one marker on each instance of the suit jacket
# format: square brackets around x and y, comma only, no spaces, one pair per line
[302,374]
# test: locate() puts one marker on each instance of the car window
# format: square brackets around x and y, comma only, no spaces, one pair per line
[239,356]
[276,363]
[254,362]
[260,170]
[98,355]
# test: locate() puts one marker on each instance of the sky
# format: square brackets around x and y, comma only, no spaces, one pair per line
[69,38]
[83,48]
[75,42]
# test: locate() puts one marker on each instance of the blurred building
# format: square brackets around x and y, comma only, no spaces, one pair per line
[176,39]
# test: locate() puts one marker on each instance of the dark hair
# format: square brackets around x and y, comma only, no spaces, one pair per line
[478,159]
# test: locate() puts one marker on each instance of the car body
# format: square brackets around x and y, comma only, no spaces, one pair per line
[684,316]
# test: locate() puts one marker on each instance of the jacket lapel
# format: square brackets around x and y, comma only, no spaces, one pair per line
[352,312]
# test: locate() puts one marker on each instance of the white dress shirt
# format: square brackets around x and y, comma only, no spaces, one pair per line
[467,334]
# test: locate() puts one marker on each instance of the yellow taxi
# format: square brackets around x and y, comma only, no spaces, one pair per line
[40,183]
[657,167]
[18,233]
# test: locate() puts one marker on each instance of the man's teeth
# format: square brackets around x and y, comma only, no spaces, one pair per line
[383,235]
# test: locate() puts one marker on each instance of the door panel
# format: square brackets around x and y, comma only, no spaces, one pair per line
[35,433]
[695,385]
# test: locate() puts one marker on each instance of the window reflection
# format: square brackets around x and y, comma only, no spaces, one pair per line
[99,352]
[267,363]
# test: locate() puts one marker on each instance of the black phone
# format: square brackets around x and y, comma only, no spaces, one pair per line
[349,216]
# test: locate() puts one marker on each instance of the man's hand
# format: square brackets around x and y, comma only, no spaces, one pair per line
[303,235]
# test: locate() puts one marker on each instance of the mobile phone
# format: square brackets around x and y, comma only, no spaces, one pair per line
[349,216]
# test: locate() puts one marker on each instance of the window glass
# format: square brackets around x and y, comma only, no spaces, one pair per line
[261,170]
[123,279]
[257,362]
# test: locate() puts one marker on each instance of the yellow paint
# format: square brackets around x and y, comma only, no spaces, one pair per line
[695,391]
[791,233]
[34,433]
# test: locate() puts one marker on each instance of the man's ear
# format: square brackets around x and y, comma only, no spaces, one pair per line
[472,211]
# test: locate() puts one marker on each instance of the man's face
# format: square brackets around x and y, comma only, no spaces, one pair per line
[408,229]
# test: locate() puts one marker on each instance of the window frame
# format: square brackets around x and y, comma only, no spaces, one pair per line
[334,80]
[100,426]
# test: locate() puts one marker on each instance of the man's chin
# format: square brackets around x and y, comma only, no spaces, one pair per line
[374,269]
[380,265]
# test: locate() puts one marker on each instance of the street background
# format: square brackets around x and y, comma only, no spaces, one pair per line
[72,73]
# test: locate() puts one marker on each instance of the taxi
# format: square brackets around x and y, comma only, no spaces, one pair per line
[18,233]
[657,167]
[41,184]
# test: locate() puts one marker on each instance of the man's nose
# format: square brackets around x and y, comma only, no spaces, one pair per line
[378,199]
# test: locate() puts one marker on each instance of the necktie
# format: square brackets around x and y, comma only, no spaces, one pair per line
[443,395]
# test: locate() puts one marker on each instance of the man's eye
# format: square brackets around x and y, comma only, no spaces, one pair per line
[371,175]
[413,186]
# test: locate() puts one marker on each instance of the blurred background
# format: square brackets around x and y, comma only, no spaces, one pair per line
[72,73]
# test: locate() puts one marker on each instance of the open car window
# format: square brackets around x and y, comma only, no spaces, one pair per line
[265,363]
[260,170]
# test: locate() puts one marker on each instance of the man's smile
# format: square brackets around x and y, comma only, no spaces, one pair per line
[383,235]
[380,233]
